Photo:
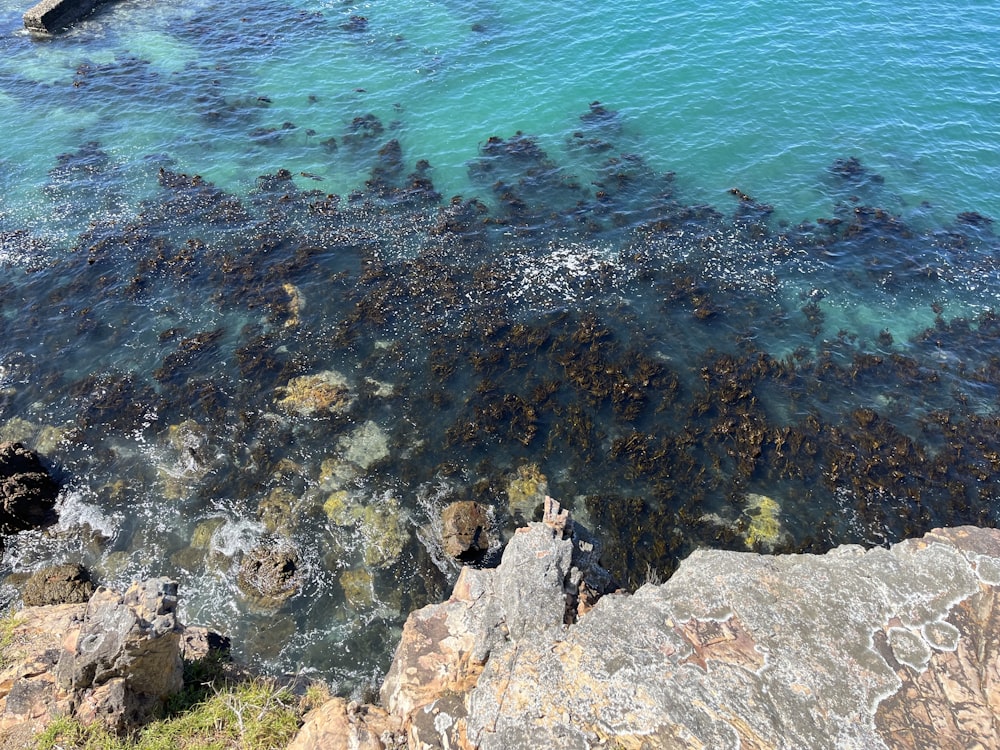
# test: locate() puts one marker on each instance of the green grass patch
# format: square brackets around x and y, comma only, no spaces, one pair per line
[255,714]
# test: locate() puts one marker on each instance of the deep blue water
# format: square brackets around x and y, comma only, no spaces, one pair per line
[677,260]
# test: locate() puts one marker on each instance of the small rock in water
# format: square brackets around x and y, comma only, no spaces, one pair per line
[526,491]
[27,492]
[58,584]
[366,445]
[765,530]
[269,574]
[357,585]
[316,395]
[465,530]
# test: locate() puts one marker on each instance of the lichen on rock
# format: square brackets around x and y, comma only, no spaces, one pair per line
[320,394]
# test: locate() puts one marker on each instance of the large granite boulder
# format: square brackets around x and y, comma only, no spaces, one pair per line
[884,648]
[27,492]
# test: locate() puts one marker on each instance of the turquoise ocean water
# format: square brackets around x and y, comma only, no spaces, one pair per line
[595,305]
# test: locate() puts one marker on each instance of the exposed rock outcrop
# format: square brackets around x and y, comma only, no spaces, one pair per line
[27,492]
[445,647]
[114,659]
[885,648]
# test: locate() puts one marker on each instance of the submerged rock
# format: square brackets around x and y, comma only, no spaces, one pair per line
[321,394]
[269,574]
[764,531]
[357,586]
[27,492]
[526,491]
[188,455]
[366,445]
[378,521]
[58,584]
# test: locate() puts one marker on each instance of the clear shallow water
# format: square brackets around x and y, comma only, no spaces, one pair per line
[662,363]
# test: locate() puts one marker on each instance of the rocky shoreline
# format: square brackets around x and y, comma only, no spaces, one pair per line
[879,648]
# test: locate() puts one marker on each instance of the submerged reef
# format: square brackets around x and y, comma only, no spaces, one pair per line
[335,369]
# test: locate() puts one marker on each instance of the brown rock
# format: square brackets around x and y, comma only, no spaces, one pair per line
[125,658]
[58,584]
[269,574]
[29,696]
[27,492]
[465,530]
[339,725]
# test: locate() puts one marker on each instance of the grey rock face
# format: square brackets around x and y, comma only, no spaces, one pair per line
[126,658]
[889,648]
[851,650]
[532,578]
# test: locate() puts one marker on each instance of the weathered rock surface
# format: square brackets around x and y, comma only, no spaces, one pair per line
[113,659]
[27,492]
[339,725]
[445,647]
[68,583]
[126,657]
[885,648]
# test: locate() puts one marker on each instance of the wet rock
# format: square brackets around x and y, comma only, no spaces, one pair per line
[321,394]
[27,492]
[357,586]
[188,458]
[465,530]
[764,530]
[269,574]
[366,445]
[526,491]
[377,520]
[42,438]
[58,584]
